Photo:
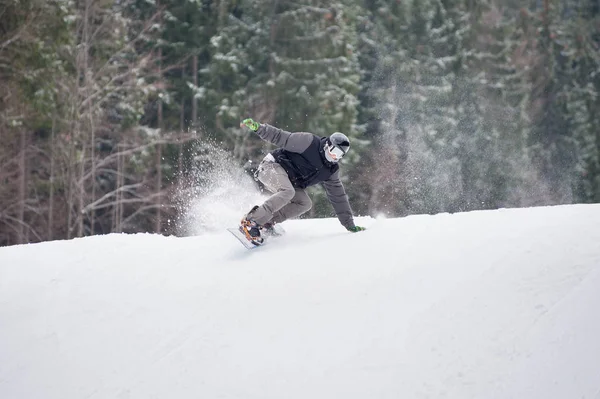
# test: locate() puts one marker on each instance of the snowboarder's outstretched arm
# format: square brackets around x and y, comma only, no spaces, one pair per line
[294,142]
[339,200]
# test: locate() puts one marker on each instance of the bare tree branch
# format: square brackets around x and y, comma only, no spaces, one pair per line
[22,224]
[147,198]
[30,18]
[106,196]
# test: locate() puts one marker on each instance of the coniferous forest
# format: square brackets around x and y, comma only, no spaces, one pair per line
[113,112]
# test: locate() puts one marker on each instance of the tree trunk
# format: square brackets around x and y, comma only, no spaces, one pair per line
[93,165]
[194,120]
[182,105]
[90,111]
[222,13]
[181,130]
[22,188]
[81,191]
[158,226]
[118,211]
[51,193]
[546,17]
[69,182]
[84,69]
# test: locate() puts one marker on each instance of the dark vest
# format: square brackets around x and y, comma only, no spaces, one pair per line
[309,167]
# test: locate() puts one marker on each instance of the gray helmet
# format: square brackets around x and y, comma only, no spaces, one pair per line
[336,146]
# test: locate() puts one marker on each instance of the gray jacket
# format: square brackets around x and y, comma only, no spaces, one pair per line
[302,156]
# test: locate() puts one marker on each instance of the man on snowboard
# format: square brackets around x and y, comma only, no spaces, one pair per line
[302,160]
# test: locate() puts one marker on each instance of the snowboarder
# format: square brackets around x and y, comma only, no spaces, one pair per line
[302,160]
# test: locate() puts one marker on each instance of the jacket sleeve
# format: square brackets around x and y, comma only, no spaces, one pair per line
[338,198]
[293,142]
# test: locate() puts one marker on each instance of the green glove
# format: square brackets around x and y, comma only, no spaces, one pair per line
[251,124]
[356,229]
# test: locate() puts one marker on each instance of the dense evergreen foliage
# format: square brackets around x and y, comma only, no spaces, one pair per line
[452,105]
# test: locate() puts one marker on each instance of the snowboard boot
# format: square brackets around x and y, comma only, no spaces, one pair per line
[251,229]
[270,229]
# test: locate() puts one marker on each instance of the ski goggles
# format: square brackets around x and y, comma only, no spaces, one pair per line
[335,152]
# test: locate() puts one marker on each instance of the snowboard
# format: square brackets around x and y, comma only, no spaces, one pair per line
[241,237]
[278,231]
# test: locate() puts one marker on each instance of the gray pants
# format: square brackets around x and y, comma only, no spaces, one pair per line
[286,202]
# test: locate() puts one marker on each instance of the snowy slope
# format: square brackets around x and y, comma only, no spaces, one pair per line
[495,304]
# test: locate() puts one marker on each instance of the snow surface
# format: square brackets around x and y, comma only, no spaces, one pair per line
[494,304]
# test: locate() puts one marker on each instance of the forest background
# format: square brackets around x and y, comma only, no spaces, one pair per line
[116,114]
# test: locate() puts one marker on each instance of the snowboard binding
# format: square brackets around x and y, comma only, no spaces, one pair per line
[251,230]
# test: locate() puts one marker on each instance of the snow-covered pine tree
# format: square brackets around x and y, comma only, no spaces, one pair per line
[187,27]
[432,168]
[412,54]
[492,128]
[293,65]
[553,146]
[314,74]
[504,53]
[467,144]
[32,36]
[579,41]
[113,76]
[382,37]
[564,97]
[289,64]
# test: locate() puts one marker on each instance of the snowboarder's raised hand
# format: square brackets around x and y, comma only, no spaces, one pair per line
[356,229]
[250,124]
